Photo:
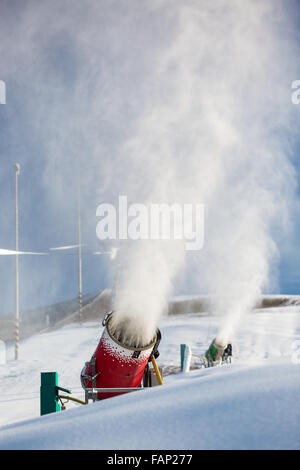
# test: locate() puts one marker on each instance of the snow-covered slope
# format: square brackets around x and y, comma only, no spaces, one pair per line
[252,403]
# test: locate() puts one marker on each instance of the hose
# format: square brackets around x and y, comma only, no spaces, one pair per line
[157,371]
[73,399]
[200,357]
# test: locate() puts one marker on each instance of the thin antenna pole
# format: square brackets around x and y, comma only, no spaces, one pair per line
[17,324]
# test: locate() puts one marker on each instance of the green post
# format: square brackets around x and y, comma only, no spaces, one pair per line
[182,350]
[48,393]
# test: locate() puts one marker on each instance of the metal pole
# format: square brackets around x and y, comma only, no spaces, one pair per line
[17,169]
[79,260]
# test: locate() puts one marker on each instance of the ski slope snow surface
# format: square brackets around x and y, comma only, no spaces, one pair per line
[251,404]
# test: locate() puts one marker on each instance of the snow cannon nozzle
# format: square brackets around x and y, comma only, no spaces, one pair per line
[122,339]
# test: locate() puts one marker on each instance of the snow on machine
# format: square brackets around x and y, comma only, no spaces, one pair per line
[116,368]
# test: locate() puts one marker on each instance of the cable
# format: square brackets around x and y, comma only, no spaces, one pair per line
[73,399]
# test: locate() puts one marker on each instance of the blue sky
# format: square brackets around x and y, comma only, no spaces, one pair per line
[56,96]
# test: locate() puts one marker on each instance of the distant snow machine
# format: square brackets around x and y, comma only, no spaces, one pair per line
[116,368]
[227,356]
[218,353]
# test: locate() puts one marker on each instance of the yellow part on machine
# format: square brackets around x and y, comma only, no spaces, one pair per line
[73,399]
[157,370]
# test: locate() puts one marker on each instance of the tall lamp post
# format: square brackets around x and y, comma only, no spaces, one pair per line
[17,171]
[79,259]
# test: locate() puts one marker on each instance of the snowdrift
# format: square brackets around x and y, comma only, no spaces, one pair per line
[230,407]
[250,404]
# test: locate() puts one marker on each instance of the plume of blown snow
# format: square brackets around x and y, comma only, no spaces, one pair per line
[214,132]
[164,101]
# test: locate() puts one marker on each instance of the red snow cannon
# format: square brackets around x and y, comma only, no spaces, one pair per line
[116,365]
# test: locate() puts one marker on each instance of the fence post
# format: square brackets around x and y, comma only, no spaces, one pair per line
[185,357]
[182,349]
[48,393]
